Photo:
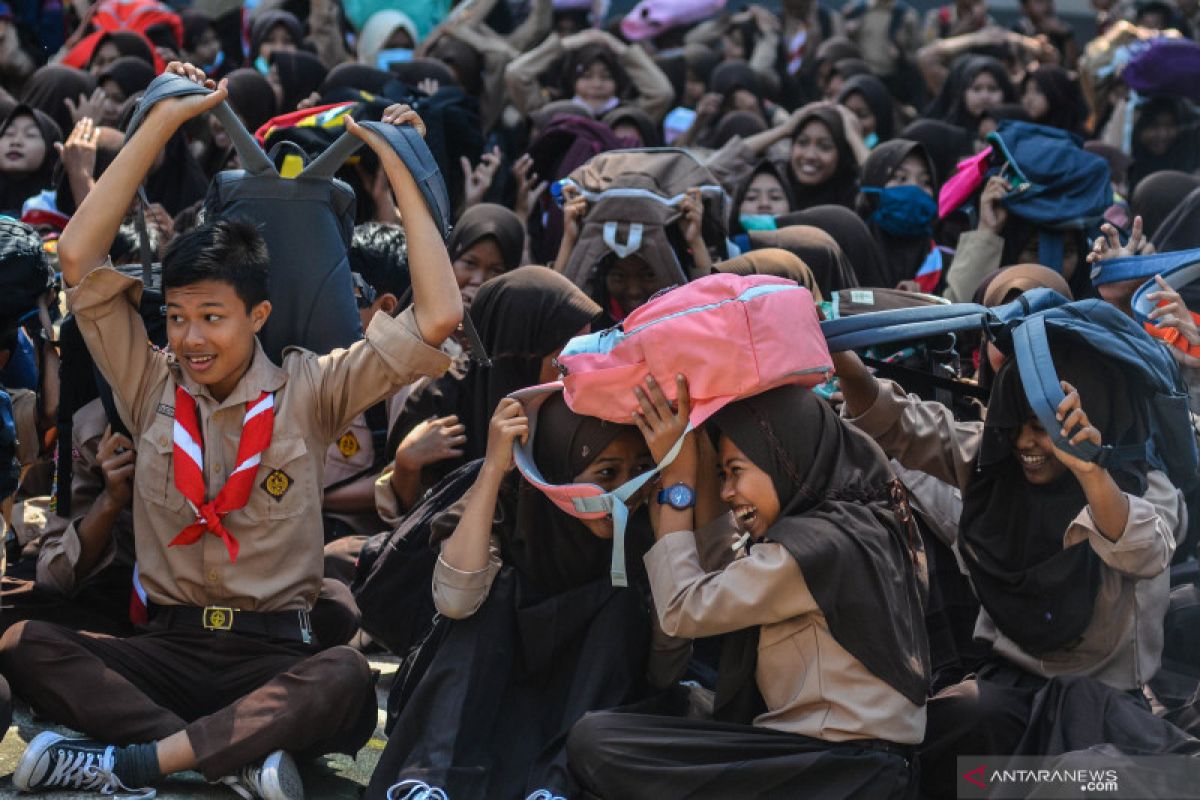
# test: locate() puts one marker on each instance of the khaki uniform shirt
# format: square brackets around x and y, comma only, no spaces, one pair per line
[811,684]
[60,543]
[1122,646]
[279,529]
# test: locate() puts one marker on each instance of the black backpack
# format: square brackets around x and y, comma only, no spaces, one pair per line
[25,272]
[307,222]
[395,568]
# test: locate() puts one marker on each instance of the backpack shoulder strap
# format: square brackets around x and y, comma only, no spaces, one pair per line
[169,85]
[1043,390]
[902,324]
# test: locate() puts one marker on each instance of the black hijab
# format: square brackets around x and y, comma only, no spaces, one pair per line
[651,137]
[829,266]
[128,43]
[735,123]
[950,104]
[300,74]
[463,60]
[768,167]
[251,97]
[844,518]
[902,255]
[130,73]
[852,236]
[842,186]
[553,550]
[51,86]
[265,22]
[877,98]
[15,190]
[1158,195]
[1184,152]
[945,144]
[1039,594]
[489,220]
[578,61]
[354,76]
[1066,107]
[522,316]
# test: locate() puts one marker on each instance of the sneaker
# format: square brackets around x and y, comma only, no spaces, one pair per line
[52,761]
[415,790]
[273,778]
[545,794]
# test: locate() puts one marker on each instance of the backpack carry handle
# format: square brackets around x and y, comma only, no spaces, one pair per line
[169,85]
[902,324]
[324,166]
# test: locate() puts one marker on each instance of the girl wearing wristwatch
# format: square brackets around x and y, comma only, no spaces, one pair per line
[824,668]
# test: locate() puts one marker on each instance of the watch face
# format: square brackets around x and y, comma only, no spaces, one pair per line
[679,496]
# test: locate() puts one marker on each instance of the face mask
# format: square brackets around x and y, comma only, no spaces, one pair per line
[394,55]
[757,222]
[262,66]
[903,210]
[871,139]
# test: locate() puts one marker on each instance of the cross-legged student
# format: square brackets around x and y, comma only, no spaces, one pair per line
[824,667]
[226,502]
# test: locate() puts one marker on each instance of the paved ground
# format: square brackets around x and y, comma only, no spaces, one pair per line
[332,778]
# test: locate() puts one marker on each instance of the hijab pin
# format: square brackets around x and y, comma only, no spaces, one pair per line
[742,541]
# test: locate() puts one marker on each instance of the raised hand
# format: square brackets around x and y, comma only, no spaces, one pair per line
[479,180]
[1073,418]
[1109,244]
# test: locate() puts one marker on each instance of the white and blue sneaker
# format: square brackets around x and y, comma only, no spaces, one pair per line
[274,778]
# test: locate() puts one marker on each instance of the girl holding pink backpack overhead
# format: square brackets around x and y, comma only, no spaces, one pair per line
[814,578]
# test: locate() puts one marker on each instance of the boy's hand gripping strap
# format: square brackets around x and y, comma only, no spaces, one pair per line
[1044,392]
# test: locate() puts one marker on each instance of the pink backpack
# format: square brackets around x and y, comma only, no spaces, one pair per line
[733,336]
[963,183]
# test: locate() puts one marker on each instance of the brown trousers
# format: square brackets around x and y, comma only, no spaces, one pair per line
[238,697]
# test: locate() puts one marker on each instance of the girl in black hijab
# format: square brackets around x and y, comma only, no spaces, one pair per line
[945,144]
[593,75]
[822,166]
[975,84]
[535,635]
[1049,541]
[51,86]
[871,102]
[1166,135]
[119,44]
[272,32]
[1157,197]
[763,196]
[825,560]
[487,240]
[1052,97]
[898,202]
[122,79]
[27,156]
[294,76]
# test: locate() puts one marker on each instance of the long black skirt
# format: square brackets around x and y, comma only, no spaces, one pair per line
[491,715]
[627,756]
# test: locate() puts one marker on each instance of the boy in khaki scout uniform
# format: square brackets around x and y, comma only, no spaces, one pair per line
[226,503]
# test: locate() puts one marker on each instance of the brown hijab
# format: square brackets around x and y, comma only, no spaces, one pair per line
[1005,285]
[773,261]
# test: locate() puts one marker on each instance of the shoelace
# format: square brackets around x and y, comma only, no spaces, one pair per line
[94,772]
[545,794]
[248,776]
[416,790]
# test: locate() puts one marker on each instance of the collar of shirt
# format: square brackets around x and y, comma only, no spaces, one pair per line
[262,376]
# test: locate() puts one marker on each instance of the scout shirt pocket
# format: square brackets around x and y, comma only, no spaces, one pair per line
[154,473]
[285,485]
[784,653]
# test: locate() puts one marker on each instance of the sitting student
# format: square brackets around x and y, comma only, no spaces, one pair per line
[898,200]
[537,635]
[226,681]
[1045,536]
[824,669]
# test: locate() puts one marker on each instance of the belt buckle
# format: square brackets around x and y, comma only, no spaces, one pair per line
[217,618]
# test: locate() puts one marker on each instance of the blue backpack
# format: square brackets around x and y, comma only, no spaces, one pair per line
[1057,185]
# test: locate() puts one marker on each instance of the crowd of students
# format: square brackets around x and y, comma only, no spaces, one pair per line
[839,604]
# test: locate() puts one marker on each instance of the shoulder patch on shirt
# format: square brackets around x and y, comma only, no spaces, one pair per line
[277,484]
[166,410]
[348,445]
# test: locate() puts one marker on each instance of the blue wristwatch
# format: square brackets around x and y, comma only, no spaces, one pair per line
[679,497]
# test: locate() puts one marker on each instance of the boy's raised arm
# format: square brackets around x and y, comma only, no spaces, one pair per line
[437,303]
[88,236]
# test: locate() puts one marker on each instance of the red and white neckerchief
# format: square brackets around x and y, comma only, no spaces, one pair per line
[188,459]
